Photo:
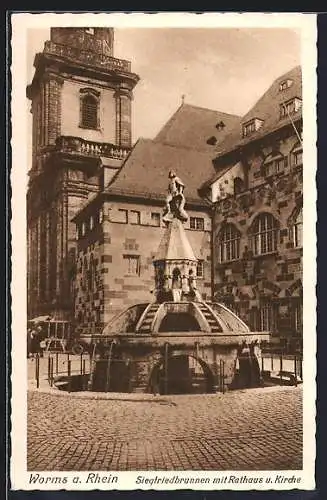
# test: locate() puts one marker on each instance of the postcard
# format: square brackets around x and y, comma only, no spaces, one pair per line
[163,180]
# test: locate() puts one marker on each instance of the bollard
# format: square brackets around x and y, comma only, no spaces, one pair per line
[49,361]
[295,370]
[51,371]
[81,364]
[69,374]
[272,361]
[280,368]
[57,354]
[83,367]
[37,371]
[223,376]
[301,374]
[262,364]
[220,376]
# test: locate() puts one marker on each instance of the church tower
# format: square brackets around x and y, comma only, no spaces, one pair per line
[81,99]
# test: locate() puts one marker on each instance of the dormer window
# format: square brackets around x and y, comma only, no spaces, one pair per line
[220,125]
[212,140]
[290,107]
[251,126]
[285,84]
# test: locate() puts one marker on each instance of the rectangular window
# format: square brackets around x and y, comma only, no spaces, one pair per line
[200,269]
[197,223]
[297,235]
[297,158]
[279,165]
[298,317]
[132,265]
[123,216]
[135,217]
[155,219]
[267,317]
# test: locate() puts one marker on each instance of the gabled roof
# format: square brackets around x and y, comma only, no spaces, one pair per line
[191,127]
[145,171]
[267,109]
[175,244]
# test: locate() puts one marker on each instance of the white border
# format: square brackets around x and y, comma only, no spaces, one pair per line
[306,24]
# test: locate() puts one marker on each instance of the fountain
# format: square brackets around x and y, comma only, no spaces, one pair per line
[178,343]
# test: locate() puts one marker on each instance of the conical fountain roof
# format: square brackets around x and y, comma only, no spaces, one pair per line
[175,244]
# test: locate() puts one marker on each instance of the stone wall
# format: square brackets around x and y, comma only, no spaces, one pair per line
[70,112]
[127,240]
[265,289]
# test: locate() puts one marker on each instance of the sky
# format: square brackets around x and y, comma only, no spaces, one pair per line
[226,69]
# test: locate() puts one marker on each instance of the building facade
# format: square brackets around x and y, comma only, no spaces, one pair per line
[81,105]
[257,193]
[94,203]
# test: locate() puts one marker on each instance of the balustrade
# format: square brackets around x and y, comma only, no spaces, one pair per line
[93,58]
[77,145]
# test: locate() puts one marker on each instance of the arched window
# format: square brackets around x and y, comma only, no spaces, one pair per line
[297,228]
[229,243]
[274,164]
[264,234]
[89,109]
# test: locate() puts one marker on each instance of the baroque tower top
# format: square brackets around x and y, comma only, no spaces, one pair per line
[99,40]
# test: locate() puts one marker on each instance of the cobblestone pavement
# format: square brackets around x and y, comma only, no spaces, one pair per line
[258,429]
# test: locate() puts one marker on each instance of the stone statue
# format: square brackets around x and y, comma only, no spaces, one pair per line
[175,199]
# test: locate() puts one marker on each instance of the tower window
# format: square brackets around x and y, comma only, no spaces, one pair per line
[89,111]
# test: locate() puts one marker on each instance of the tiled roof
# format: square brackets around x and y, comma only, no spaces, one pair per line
[175,244]
[191,127]
[267,109]
[145,171]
